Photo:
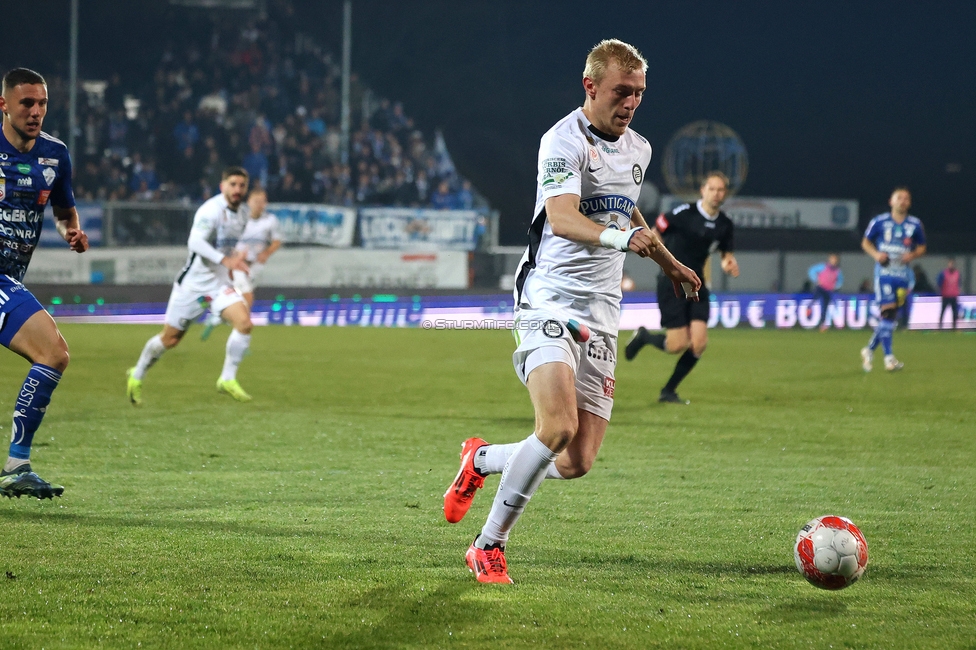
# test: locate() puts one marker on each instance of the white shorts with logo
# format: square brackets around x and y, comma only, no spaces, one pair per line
[186,304]
[245,282]
[545,339]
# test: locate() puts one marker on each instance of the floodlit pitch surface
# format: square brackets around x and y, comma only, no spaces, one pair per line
[311,517]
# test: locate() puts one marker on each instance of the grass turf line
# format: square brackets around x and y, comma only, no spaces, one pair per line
[312,516]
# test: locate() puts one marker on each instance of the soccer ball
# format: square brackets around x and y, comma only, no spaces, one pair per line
[830,552]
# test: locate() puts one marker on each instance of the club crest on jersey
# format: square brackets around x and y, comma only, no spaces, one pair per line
[48,175]
[638,174]
[553,329]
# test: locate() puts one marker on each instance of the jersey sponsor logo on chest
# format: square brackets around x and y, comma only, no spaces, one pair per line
[607,203]
[25,182]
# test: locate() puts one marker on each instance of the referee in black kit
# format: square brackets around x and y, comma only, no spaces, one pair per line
[691,233]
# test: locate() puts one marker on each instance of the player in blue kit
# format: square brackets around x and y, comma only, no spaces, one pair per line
[34,170]
[894,239]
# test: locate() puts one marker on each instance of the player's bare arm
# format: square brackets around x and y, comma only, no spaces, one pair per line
[730,265]
[568,222]
[69,227]
[675,270]
[266,254]
[915,254]
[868,247]
[236,262]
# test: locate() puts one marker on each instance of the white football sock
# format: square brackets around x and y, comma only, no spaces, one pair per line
[13,463]
[237,345]
[150,354]
[491,459]
[521,478]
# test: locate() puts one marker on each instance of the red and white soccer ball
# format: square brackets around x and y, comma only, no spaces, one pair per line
[831,552]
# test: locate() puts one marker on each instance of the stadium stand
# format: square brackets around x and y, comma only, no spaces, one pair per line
[258,93]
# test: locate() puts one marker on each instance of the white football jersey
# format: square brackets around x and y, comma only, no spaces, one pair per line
[562,277]
[258,235]
[215,232]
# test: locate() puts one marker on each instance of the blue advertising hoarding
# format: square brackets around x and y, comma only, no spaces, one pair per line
[495,312]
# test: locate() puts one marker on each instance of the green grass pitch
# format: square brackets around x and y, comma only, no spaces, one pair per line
[311,517]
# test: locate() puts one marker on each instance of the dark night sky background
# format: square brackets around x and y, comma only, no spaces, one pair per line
[832,99]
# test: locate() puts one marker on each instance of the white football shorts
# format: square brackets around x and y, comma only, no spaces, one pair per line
[546,339]
[185,305]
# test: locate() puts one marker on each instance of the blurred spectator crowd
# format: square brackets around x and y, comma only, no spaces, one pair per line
[260,94]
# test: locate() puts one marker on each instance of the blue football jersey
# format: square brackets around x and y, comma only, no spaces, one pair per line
[895,239]
[28,182]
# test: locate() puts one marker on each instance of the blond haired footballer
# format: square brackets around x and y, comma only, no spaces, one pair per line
[567,296]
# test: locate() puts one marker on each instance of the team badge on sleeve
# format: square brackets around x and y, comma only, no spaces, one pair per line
[661,223]
[638,174]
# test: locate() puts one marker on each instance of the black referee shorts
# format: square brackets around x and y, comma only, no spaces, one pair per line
[679,312]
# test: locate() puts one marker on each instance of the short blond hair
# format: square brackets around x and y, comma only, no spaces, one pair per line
[716,174]
[610,51]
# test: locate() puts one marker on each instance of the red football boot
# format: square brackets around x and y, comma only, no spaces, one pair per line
[459,496]
[488,565]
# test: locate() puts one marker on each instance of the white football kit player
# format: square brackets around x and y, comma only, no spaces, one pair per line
[258,235]
[204,281]
[559,279]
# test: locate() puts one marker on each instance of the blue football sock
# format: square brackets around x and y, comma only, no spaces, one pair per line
[30,407]
[876,337]
[885,329]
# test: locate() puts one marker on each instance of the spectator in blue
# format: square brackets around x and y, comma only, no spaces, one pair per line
[443,198]
[256,164]
[465,196]
[826,278]
[315,123]
[117,132]
[186,132]
[143,172]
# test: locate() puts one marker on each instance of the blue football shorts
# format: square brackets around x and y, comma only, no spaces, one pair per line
[17,304]
[890,291]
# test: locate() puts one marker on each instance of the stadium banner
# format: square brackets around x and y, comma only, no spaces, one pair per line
[313,223]
[495,312]
[316,267]
[767,212]
[306,266]
[90,215]
[418,228]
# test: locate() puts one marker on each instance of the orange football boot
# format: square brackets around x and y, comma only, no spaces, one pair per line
[488,565]
[459,496]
